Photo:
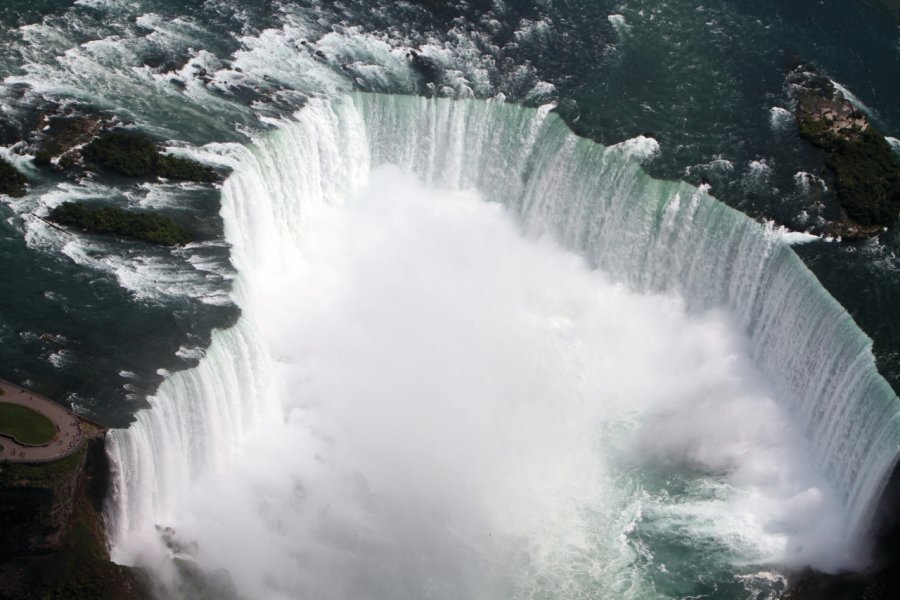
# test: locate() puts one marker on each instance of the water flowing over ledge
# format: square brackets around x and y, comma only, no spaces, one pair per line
[662,235]
[651,235]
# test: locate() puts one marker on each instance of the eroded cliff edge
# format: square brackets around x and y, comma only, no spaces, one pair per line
[52,539]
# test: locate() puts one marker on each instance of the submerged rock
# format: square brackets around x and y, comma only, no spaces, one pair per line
[12,181]
[424,66]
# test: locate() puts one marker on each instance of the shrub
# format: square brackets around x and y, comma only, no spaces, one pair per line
[866,169]
[148,227]
[135,155]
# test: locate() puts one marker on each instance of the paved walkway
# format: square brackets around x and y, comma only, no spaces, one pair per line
[69,434]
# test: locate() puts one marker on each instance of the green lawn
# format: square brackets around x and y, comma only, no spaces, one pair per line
[25,425]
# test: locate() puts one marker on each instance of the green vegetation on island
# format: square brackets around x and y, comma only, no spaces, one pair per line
[135,155]
[144,226]
[866,170]
[12,182]
[25,425]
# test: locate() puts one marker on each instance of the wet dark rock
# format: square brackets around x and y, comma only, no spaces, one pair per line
[160,63]
[881,579]
[58,143]
[193,581]
[813,585]
[423,65]
[12,181]
[52,536]
[9,133]
[850,231]
[169,537]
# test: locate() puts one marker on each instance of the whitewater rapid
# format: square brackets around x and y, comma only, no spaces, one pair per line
[469,373]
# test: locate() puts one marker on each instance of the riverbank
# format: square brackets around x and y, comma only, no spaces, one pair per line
[52,534]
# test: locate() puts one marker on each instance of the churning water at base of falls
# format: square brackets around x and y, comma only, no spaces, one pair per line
[469,413]
[513,366]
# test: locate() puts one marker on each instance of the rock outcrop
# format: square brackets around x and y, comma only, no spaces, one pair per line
[12,181]
[61,139]
[135,155]
[37,504]
[52,540]
[865,168]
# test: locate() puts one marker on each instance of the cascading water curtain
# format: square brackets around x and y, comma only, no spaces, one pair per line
[649,236]
[659,235]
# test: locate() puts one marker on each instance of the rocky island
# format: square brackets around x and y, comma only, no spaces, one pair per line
[866,171]
[134,155]
[75,143]
[136,225]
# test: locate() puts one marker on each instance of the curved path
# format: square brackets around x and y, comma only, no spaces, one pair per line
[69,434]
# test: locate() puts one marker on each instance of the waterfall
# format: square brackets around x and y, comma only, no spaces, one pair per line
[650,235]
[664,235]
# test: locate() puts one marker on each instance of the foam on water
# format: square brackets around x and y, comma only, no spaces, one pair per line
[759,173]
[619,23]
[780,119]
[895,144]
[852,99]
[808,182]
[641,148]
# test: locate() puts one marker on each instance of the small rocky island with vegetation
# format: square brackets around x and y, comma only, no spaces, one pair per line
[135,225]
[76,144]
[866,170]
[134,155]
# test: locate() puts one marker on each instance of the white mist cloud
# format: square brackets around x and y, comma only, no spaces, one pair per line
[468,413]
